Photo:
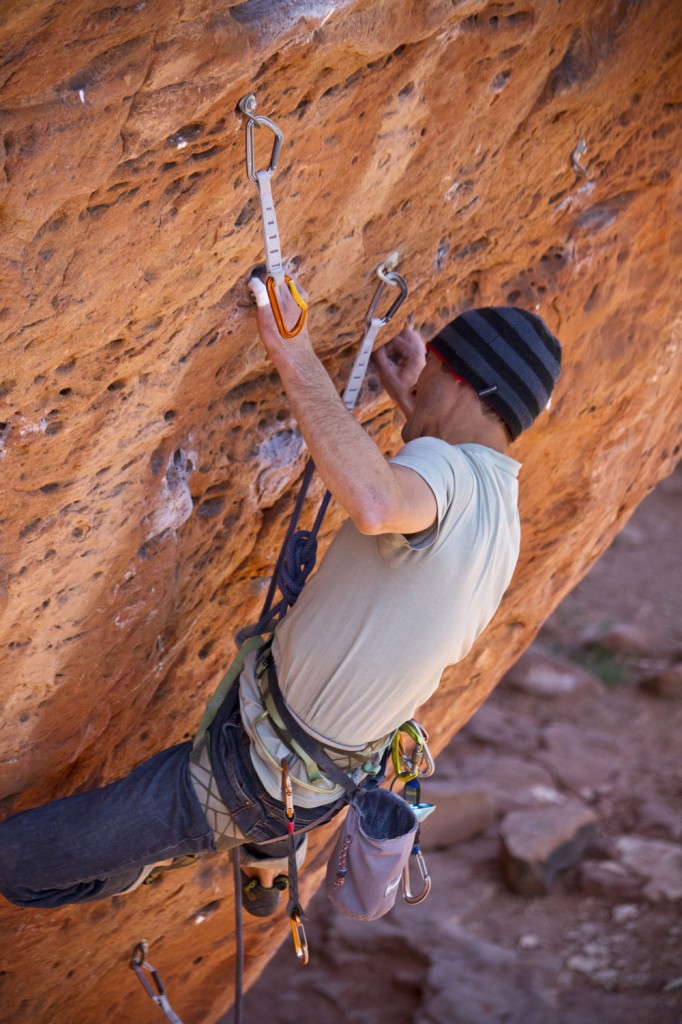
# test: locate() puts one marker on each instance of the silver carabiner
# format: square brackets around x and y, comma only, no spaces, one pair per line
[247,105]
[139,964]
[426,879]
[391,278]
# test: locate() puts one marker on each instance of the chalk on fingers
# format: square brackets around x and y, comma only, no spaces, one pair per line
[259,291]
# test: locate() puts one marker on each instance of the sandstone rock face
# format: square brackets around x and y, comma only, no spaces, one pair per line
[514,152]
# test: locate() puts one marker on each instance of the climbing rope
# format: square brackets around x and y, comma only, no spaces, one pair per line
[298,553]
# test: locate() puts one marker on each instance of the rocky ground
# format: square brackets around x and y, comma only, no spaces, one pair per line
[556,849]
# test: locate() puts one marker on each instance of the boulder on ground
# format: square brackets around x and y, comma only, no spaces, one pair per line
[541,674]
[666,684]
[658,863]
[538,844]
[462,812]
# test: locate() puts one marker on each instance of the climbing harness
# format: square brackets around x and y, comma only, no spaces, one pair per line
[139,964]
[273,253]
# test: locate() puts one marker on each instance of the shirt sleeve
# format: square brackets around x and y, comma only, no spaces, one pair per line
[447,472]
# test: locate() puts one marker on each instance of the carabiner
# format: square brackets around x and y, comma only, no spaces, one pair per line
[287,332]
[139,963]
[299,937]
[257,119]
[426,879]
[391,278]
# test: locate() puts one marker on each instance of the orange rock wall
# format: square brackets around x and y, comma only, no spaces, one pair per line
[146,448]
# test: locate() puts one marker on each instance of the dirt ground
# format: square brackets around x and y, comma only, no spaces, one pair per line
[604,945]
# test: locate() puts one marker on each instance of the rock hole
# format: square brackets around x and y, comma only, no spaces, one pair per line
[406,90]
[206,650]
[246,213]
[211,507]
[157,461]
[65,391]
[169,415]
[116,385]
[185,134]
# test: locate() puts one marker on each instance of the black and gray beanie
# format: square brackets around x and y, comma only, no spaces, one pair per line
[509,357]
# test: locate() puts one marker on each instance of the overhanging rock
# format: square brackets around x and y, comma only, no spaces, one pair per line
[521,152]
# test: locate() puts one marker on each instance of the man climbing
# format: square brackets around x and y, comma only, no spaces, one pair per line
[406,587]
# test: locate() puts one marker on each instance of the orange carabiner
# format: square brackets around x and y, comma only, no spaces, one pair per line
[277,312]
[299,937]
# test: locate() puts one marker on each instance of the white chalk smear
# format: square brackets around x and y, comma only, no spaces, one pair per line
[81,94]
[260,292]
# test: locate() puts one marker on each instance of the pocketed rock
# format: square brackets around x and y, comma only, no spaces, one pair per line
[666,684]
[657,862]
[538,844]
[541,674]
[462,812]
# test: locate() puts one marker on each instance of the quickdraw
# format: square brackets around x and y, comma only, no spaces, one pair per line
[273,253]
[412,796]
[388,277]
[139,964]
[294,909]
[409,770]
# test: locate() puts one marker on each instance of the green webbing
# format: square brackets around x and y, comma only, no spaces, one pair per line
[233,673]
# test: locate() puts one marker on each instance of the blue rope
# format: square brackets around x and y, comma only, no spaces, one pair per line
[295,562]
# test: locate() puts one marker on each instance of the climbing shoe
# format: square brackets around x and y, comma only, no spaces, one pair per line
[259,901]
[177,862]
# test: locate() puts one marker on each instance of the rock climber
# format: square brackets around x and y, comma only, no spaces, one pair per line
[408,584]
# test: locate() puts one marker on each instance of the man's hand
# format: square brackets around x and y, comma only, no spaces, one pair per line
[276,346]
[399,363]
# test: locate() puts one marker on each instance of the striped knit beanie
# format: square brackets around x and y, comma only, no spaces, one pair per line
[508,356]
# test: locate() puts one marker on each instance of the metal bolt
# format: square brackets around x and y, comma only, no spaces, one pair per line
[247,104]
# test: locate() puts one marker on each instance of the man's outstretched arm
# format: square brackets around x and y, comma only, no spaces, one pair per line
[379,497]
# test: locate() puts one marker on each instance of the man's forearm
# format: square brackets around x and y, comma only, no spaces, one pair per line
[378,497]
[347,459]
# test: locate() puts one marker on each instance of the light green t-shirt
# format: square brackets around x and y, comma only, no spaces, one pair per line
[375,626]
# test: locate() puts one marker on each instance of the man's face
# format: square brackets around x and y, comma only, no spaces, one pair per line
[433,393]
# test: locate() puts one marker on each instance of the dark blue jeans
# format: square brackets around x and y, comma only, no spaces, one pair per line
[93,845]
